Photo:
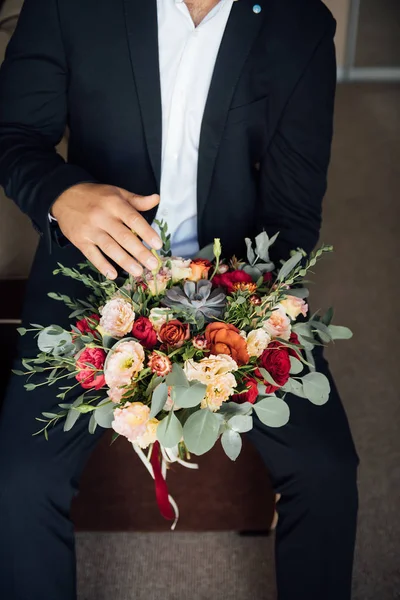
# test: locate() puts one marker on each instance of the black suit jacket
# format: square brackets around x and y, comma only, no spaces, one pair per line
[92,65]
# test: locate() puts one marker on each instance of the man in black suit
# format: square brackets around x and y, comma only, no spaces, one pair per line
[264,133]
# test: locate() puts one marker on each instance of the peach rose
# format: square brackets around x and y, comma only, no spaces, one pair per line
[226,339]
[124,363]
[157,284]
[208,369]
[117,317]
[174,333]
[150,435]
[257,340]
[294,306]
[219,391]
[199,269]
[180,268]
[278,324]
[131,421]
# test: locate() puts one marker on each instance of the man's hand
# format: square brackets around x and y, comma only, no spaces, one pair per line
[103,217]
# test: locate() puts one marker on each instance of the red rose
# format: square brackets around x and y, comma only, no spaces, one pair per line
[87,324]
[276,360]
[294,340]
[268,277]
[91,377]
[250,395]
[174,333]
[228,280]
[144,331]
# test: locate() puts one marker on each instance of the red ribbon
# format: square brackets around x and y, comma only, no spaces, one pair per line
[161,485]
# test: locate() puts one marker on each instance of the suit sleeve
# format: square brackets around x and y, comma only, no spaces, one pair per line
[33,114]
[294,169]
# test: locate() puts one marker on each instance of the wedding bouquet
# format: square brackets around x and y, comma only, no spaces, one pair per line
[186,354]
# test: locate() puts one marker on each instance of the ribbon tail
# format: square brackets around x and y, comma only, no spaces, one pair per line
[162,495]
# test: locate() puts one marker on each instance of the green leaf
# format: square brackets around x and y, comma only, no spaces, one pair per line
[55,343]
[305,336]
[201,431]
[104,414]
[323,331]
[340,333]
[30,387]
[289,265]
[328,316]
[16,372]
[293,386]
[272,411]
[254,272]
[231,443]
[169,431]
[49,415]
[296,366]
[268,377]
[207,252]
[316,388]
[159,398]
[262,246]
[298,292]
[85,408]
[22,330]
[177,377]
[92,424]
[233,408]
[241,423]
[189,397]
[251,257]
[72,417]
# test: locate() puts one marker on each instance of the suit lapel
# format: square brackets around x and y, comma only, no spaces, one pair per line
[142,30]
[240,33]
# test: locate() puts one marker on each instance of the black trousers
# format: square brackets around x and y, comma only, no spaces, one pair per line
[312,461]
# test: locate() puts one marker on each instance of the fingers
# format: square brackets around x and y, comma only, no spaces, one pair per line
[98,260]
[112,249]
[138,224]
[139,202]
[132,244]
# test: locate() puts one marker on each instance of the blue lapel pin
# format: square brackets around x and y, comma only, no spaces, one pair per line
[256,9]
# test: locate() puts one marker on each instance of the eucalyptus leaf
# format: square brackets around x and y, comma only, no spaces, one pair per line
[268,377]
[233,408]
[262,246]
[298,292]
[201,431]
[207,252]
[323,331]
[92,424]
[328,316]
[251,257]
[72,417]
[169,431]
[289,265]
[316,388]
[104,414]
[293,386]
[231,443]
[339,332]
[22,330]
[177,377]
[159,398]
[272,411]
[303,330]
[241,423]
[296,366]
[191,396]
[55,343]
[254,272]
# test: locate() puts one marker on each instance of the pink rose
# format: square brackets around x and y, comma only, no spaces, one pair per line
[159,364]
[91,376]
[117,317]
[294,307]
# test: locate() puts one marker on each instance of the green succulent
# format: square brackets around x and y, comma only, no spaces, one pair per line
[198,301]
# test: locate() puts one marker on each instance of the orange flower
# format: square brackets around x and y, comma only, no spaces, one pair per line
[226,339]
[245,287]
[200,268]
[174,333]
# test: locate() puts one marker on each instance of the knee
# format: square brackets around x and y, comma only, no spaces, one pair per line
[328,481]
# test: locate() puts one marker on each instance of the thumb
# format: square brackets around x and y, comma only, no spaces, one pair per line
[142,203]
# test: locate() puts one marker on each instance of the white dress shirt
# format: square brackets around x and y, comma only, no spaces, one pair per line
[187,57]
